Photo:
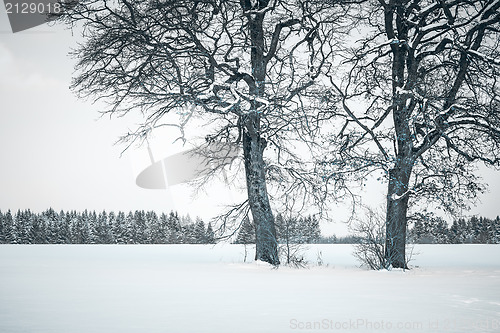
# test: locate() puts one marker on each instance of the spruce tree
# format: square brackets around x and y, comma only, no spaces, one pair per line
[200,232]
[174,229]
[456,232]
[130,229]
[210,235]
[23,226]
[150,227]
[312,230]
[92,228]
[483,231]
[76,228]
[65,228]
[107,227]
[2,235]
[163,232]
[38,232]
[246,235]
[9,229]
[496,231]
[119,229]
[140,227]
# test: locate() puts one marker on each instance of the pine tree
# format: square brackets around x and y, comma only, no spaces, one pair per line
[199,232]
[99,227]
[119,229]
[2,235]
[130,229]
[109,237]
[92,228]
[281,230]
[298,230]
[9,229]
[457,235]
[38,232]
[465,233]
[76,228]
[191,234]
[496,231]
[483,231]
[163,232]
[83,228]
[417,231]
[440,231]
[65,228]
[23,226]
[52,232]
[312,232]
[104,232]
[174,229]
[210,235]
[152,228]
[246,235]
[49,218]
[140,227]
[186,220]
[290,230]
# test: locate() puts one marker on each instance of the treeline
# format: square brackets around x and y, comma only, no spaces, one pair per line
[334,239]
[475,230]
[139,227]
[435,230]
[297,230]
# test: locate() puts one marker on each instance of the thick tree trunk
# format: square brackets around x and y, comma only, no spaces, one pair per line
[265,232]
[254,144]
[399,176]
[396,219]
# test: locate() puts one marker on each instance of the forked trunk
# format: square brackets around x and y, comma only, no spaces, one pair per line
[396,219]
[265,232]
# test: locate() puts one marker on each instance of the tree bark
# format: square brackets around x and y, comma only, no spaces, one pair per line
[254,145]
[396,219]
[265,231]
[399,176]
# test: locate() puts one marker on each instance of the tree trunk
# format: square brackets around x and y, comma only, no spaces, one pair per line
[399,176]
[396,219]
[254,144]
[265,232]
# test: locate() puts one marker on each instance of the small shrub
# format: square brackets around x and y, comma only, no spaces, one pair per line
[370,250]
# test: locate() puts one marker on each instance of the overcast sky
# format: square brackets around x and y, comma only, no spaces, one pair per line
[56,152]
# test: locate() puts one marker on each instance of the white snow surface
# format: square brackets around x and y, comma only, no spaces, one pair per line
[199,288]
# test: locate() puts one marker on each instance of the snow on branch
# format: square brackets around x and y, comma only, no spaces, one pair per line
[484,57]
[396,197]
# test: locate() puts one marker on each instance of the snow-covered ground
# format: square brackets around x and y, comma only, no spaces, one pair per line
[191,288]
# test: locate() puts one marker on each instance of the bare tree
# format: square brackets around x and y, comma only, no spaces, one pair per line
[420,95]
[370,230]
[248,67]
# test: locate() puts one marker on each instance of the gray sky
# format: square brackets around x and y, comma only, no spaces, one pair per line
[55,152]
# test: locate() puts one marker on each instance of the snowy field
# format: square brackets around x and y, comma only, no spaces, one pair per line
[196,288]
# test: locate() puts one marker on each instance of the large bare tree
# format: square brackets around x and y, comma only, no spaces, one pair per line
[247,67]
[420,94]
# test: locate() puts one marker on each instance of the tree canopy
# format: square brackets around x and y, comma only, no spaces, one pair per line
[420,95]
